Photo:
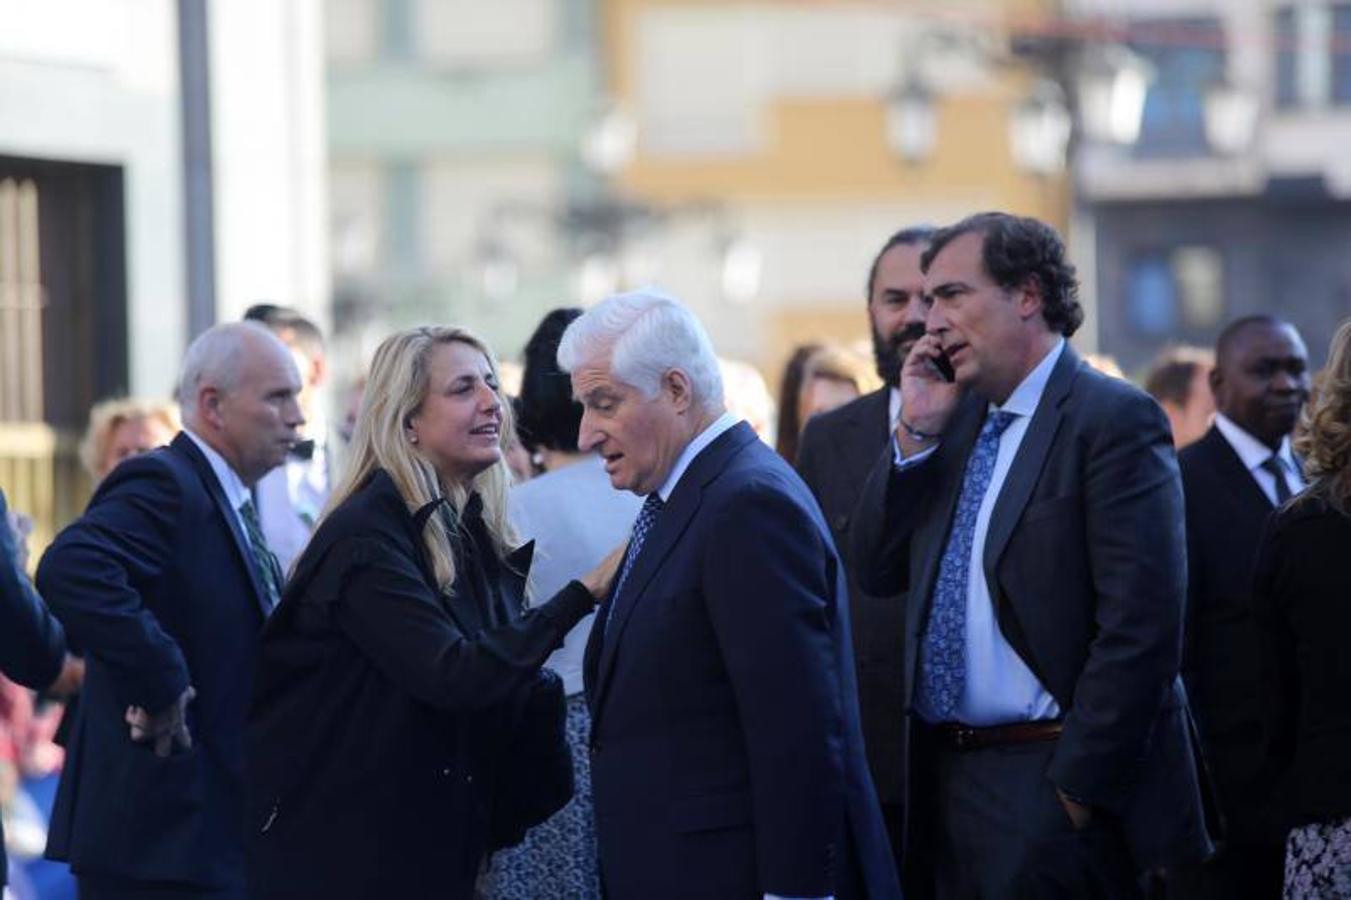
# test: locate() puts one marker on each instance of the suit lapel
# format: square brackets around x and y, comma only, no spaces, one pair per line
[1028,463]
[666,532]
[184,445]
[1230,469]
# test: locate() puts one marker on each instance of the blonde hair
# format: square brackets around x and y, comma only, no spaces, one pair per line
[1323,438]
[395,389]
[109,415]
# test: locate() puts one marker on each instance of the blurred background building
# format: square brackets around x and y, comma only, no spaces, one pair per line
[161,167]
[164,163]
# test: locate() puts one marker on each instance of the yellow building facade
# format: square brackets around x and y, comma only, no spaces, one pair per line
[778,112]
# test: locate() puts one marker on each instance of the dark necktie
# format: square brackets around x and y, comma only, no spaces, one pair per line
[647,516]
[264,563]
[942,673]
[1274,465]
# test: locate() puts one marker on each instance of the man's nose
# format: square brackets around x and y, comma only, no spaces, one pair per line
[587,435]
[296,416]
[1285,383]
[935,322]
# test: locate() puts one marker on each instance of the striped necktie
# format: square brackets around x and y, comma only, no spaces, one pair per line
[264,562]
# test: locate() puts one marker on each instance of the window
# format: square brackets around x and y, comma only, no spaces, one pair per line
[1151,297]
[1312,44]
[1340,47]
[1177,290]
[1174,115]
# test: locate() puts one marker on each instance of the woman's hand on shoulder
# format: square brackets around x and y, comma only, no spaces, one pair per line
[599,579]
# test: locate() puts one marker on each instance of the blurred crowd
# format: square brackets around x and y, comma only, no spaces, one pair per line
[307,642]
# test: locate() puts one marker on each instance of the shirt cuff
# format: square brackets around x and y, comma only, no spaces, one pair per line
[900,461]
[780,897]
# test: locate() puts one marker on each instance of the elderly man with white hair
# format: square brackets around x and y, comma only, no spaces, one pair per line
[726,754]
[165,583]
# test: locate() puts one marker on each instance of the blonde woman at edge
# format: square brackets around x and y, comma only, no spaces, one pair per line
[394,674]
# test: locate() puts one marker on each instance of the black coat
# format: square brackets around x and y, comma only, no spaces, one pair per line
[379,706]
[837,451]
[32,645]
[1226,512]
[1085,559]
[1302,604]
[153,583]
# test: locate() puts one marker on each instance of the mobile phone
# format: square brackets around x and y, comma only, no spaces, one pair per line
[943,366]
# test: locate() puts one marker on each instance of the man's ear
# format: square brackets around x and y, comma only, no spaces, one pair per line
[1216,383]
[677,386]
[1029,297]
[208,405]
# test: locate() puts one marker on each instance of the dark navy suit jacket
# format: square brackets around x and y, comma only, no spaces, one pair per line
[154,583]
[727,758]
[32,645]
[1086,562]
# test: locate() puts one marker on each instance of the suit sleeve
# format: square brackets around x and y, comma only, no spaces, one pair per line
[809,452]
[1137,559]
[387,609]
[94,573]
[1276,593]
[889,511]
[32,644]
[769,583]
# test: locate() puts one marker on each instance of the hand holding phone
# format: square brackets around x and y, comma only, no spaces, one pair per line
[929,393]
[944,366]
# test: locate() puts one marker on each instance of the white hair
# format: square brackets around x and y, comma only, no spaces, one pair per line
[215,358]
[647,334]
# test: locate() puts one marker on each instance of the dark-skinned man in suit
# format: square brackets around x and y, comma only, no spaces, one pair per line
[1032,507]
[1233,478]
[836,453]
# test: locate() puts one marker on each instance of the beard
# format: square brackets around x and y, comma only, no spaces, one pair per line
[889,353]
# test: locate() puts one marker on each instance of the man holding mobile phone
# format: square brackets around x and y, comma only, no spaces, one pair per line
[1033,509]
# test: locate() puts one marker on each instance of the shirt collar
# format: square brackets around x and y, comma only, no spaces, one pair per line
[235,490]
[893,408]
[692,449]
[1249,449]
[1025,397]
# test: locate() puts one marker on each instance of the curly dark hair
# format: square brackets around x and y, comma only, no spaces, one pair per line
[1017,249]
[547,416]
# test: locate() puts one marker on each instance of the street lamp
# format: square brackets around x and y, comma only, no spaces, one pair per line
[1230,117]
[1039,130]
[911,121]
[1111,84]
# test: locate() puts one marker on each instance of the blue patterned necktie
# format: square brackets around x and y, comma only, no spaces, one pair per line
[942,675]
[265,564]
[647,516]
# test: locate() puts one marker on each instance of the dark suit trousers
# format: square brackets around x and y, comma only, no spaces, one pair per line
[96,887]
[988,825]
[1239,872]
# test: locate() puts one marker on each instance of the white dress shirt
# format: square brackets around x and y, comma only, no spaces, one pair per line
[1253,453]
[236,492]
[692,449]
[999,686]
[290,499]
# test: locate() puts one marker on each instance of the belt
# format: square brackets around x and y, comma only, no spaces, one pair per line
[956,736]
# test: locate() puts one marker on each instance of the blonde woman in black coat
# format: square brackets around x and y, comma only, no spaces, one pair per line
[1302,606]
[390,742]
